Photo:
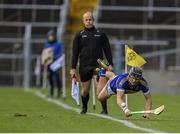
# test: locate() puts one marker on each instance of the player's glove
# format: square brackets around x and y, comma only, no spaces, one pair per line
[126,111]
[102,72]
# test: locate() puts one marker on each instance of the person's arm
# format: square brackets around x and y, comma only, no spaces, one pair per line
[148,104]
[47,55]
[147,95]
[75,55]
[122,104]
[107,51]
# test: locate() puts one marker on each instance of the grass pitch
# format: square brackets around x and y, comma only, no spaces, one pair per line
[21,111]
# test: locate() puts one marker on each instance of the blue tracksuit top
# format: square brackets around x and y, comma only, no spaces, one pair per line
[57,48]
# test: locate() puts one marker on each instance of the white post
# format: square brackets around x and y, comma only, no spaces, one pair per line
[93,83]
[62,19]
[126,96]
[27,56]
[64,78]
[37,70]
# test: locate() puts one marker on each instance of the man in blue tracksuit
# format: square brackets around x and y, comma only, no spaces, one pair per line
[121,84]
[57,50]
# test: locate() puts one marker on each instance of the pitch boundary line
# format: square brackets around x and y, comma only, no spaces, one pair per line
[124,122]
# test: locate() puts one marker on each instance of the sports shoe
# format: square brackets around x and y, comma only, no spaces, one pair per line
[104,112]
[84,110]
[59,94]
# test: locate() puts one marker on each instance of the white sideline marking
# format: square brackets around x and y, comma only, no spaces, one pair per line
[124,122]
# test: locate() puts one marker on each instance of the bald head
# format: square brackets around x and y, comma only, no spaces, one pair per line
[88,19]
[87,14]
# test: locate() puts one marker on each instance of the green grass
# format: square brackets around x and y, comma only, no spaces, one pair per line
[43,116]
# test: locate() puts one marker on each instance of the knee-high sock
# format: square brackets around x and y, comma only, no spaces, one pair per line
[104,105]
[85,100]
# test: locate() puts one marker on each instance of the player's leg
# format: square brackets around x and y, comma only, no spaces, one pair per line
[85,95]
[101,84]
[105,93]
[85,76]
[102,97]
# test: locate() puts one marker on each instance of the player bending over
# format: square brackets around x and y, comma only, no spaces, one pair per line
[121,84]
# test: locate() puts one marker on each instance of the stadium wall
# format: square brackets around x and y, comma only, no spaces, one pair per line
[167,82]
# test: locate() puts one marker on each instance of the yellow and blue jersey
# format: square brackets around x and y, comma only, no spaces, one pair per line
[120,83]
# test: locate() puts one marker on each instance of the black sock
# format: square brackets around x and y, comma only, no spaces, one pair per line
[85,100]
[104,105]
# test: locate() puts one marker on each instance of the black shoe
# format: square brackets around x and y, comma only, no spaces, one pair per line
[104,112]
[59,95]
[84,110]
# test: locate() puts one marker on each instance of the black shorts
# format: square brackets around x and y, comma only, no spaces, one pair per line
[86,72]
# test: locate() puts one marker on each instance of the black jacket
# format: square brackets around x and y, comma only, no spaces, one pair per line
[89,45]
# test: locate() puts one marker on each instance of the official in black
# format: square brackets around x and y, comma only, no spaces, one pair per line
[89,45]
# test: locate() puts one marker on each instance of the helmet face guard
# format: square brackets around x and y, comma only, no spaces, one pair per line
[136,76]
[136,72]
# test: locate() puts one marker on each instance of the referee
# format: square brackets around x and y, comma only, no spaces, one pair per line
[89,45]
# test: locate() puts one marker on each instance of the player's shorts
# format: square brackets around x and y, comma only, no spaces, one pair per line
[108,88]
[86,72]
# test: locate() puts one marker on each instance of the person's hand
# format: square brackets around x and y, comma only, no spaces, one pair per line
[110,68]
[73,73]
[127,113]
[145,116]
